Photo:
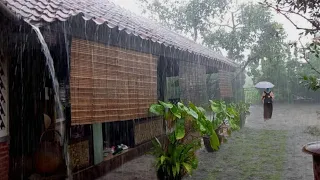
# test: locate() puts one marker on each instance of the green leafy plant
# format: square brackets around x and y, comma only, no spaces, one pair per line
[225,113]
[311,82]
[177,157]
[242,108]
[226,119]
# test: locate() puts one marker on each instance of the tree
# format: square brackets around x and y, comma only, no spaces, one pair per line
[191,17]
[309,11]
[252,30]
[251,36]
[244,29]
[271,56]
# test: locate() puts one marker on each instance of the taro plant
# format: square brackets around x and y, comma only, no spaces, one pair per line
[226,118]
[243,109]
[225,114]
[175,157]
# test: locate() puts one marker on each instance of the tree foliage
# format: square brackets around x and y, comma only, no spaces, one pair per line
[191,17]
[308,10]
[250,36]
[247,21]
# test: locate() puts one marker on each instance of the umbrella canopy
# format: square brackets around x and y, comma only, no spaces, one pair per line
[264,85]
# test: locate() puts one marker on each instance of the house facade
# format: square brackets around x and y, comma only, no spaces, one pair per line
[110,65]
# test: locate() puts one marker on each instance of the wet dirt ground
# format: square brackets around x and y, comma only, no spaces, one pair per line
[260,151]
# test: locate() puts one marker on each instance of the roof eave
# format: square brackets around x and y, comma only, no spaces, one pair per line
[9,14]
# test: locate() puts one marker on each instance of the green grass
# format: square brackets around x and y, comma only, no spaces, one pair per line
[251,154]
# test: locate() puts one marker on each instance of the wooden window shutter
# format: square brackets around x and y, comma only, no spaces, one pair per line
[109,83]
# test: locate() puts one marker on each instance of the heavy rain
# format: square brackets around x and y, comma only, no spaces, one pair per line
[159,89]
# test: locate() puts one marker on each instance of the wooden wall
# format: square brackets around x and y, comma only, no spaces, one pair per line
[109,83]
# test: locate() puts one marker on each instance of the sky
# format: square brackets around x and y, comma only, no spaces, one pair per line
[292,32]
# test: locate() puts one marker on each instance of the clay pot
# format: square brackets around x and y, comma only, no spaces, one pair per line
[48,158]
[314,150]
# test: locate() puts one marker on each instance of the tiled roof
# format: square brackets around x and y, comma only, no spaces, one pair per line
[40,12]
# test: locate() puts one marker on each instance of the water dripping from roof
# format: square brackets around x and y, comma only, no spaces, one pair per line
[55,83]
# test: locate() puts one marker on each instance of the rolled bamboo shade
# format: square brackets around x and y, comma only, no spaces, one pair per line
[225,84]
[109,83]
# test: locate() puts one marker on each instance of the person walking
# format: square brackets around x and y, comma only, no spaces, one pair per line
[267,99]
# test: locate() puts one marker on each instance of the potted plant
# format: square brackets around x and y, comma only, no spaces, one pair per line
[176,156]
[243,109]
[226,118]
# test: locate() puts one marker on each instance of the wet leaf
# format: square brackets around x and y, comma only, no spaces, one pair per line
[188,167]
[180,130]
[214,141]
[166,105]
[175,111]
[156,109]
[192,113]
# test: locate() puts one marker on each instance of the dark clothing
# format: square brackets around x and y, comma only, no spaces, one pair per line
[267,97]
[267,110]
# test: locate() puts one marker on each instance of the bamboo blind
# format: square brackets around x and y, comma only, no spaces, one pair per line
[109,83]
[225,84]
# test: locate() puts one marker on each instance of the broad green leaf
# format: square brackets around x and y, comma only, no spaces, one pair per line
[188,167]
[193,107]
[180,104]
[202,110]
[182,107]
[175,111]
[215,107]
[193,113]
[214,141]
[166,105]
[202,125]
[157,109]
[180,130]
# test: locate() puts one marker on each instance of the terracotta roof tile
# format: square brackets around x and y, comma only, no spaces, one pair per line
[102,11]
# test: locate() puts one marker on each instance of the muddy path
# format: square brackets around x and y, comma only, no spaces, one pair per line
[260,151]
